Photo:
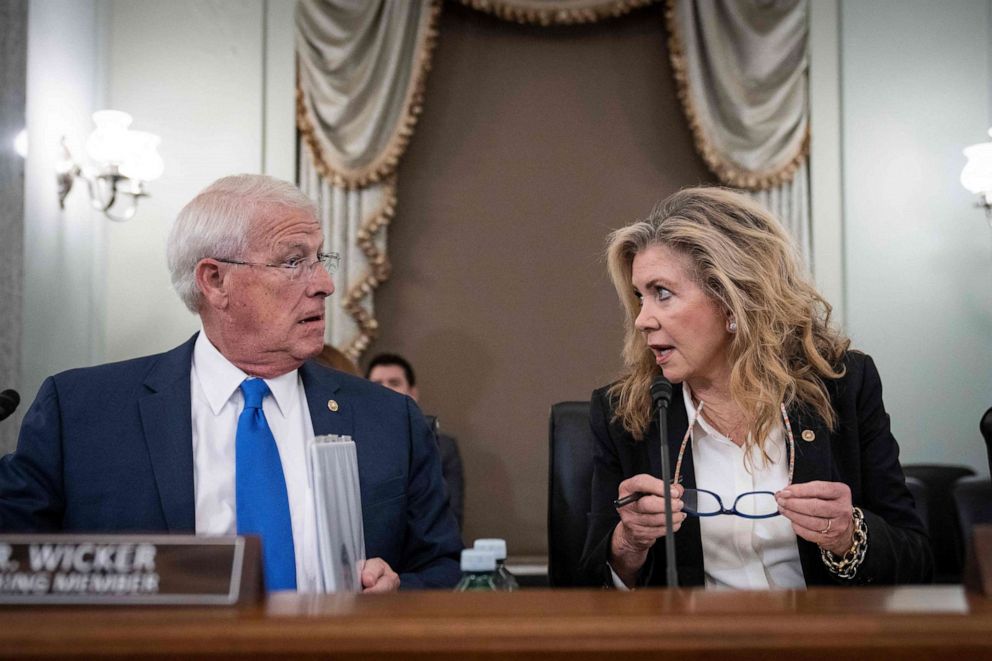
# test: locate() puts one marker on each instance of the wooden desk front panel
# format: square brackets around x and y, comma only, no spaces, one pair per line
[868,623]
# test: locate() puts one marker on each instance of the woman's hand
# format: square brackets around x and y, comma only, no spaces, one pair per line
[820,512]
[641,524]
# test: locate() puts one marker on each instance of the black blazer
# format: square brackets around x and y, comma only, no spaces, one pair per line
[861,452]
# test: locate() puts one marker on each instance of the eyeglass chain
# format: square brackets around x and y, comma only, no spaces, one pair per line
[698,412]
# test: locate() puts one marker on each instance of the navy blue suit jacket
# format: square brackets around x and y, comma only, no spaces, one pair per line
[109,448]
[861,452]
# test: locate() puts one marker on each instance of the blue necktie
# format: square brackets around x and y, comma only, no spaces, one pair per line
[262,503]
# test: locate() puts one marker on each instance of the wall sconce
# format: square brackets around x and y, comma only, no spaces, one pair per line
[124,161]
[977,174]
[21,143]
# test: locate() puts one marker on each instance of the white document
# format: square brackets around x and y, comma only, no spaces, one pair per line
[338,506]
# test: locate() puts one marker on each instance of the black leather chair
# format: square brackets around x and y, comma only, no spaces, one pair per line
[973,502]
[922,497]
[946,536]
[973,497]
[569,490]
[985,426]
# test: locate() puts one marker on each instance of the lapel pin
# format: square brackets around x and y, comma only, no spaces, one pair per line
[808,435]
[332,405]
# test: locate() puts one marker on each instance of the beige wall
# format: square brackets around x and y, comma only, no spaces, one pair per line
[533,144]
[64,249]
[917,80]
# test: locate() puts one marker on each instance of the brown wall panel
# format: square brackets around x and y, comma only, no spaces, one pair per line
[533,144]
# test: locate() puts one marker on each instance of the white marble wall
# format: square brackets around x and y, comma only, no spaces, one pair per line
[916,79]
[63,264]
[215,80]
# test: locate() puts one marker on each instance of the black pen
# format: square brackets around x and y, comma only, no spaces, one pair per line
[628,499]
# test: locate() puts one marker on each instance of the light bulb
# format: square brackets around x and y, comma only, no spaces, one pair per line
[108,144]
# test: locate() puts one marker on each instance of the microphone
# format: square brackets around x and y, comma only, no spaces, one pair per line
[661,397]
[661,392]
[9,399]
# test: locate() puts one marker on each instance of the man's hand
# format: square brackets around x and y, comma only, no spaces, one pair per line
[378,576]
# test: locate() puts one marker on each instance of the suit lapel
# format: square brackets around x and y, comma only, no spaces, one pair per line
[812,439]
[328,414]
[814,461]
[167,422]
[677,424]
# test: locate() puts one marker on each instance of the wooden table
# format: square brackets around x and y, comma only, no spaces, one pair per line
[837,623]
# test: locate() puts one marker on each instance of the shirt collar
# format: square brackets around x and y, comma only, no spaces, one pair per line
[699,422]
[220,378]
[774,445]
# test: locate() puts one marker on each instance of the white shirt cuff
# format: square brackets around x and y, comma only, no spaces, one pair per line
[617,583]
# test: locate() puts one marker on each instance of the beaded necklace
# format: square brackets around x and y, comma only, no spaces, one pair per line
[692,422]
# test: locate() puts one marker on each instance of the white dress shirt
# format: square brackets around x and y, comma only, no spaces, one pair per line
[216,405]
[738,552]
[748,554]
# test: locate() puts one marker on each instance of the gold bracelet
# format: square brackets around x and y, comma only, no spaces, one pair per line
[847,566]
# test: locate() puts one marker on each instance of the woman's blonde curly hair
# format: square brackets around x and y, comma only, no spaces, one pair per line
[784,347]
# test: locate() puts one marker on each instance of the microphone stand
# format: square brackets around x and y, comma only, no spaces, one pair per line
[661,396]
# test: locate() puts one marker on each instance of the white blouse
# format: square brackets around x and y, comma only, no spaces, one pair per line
[748,554]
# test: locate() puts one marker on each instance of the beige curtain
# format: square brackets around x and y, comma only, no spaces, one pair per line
[741,68]
[362,66]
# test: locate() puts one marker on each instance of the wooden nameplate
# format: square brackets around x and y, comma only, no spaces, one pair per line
[124,570]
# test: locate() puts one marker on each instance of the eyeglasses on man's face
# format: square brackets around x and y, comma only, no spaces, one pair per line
[750,505]
[297,268]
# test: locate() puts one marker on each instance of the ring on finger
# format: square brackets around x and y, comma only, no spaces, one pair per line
[827,529]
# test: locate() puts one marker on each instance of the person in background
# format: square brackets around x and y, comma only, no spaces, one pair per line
[396,373]
[332,357]
[785,471]
[211,436]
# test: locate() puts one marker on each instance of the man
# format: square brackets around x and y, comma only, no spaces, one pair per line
[211,436]
[396,373]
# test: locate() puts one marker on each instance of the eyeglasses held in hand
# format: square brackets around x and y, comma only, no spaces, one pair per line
[297,267]
[750,505]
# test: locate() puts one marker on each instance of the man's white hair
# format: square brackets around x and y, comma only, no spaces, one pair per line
[216,223]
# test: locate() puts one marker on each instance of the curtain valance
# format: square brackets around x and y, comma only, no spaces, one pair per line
[556,12]
[362,68]
[740,66]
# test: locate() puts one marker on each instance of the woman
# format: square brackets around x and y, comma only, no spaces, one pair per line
[768,402]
